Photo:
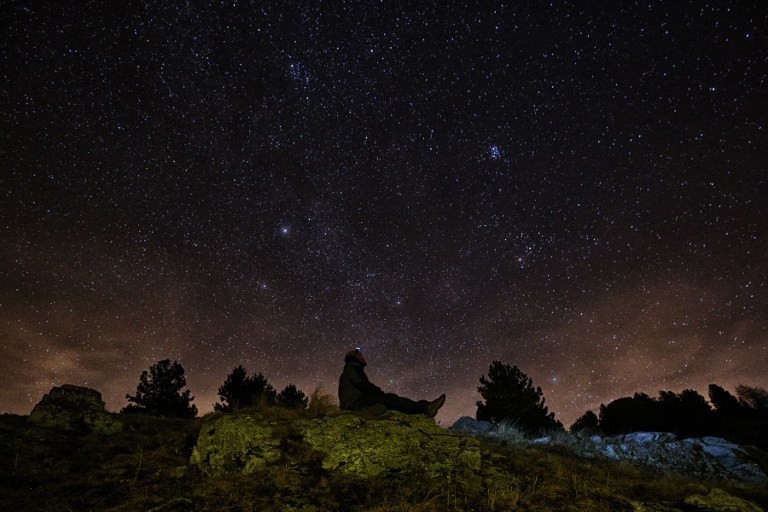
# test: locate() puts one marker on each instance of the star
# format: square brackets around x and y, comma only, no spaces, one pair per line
[266,186]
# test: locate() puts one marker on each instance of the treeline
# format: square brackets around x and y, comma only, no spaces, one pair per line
[510,397]
[742,418]
[240,391]
[161,393]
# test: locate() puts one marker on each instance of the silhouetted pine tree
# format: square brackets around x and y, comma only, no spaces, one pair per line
[686,414]
[240,391]
[159,392]
[723,402]
[510,396]
[752,398]
[586,422]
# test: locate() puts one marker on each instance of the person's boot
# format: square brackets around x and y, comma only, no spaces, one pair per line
[435,405]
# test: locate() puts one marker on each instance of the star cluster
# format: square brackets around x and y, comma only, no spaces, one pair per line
[576,190]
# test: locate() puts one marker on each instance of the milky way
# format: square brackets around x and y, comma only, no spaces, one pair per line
[578,191]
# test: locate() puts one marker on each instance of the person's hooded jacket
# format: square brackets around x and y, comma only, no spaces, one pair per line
[354,384]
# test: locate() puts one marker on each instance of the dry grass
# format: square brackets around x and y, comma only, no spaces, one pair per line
[144,467]
[551,479]
[321,404]
[65,471]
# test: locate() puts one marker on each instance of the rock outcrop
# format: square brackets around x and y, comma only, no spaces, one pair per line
[705,457]
[75,409]
[348,443]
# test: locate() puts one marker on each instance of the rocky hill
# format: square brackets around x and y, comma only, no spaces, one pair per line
[70,454]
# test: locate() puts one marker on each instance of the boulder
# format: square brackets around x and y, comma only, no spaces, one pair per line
[76,409]
[729,458]
[470,425]
[718,500]
[397,445]
[705,457]
[235,442]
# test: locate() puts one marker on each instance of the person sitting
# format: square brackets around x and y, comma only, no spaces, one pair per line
[356,392]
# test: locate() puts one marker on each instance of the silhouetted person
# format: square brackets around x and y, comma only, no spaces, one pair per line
[357,392]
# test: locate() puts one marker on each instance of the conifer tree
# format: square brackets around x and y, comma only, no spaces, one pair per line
[723,401]
[240,391]
[510,396]
[159,392]
[752,397]
[586,422]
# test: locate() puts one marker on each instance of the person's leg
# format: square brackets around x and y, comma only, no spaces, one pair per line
[406,405]
[394,402]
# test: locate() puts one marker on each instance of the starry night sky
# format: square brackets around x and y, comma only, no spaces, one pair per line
[578,189]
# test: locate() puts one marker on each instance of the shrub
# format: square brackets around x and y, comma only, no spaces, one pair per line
[291,398]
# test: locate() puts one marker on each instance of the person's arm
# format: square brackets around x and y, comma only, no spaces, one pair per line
[359,379]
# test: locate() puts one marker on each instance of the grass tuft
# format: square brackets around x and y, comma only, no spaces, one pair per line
[321,404]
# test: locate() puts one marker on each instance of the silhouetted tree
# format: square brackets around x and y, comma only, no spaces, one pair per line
[292,398]
[723,401]
[628,414]
[234,389]
[585,423]
[752,398]
[510,396]
[239,391]
[694,406]
[159,392]
[743,420]
[686,414]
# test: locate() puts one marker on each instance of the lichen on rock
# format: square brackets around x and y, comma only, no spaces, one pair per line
[700,457]
[76,409]
[718,500]
[235,442]
[348,443]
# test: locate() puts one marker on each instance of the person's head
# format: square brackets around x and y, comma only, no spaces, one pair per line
[355,355]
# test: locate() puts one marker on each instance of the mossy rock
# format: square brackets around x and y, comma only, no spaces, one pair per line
[718,500]
[235,442]
[399,445]
[75,409]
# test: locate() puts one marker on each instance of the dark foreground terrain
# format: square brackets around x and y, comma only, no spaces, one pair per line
[146,467]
